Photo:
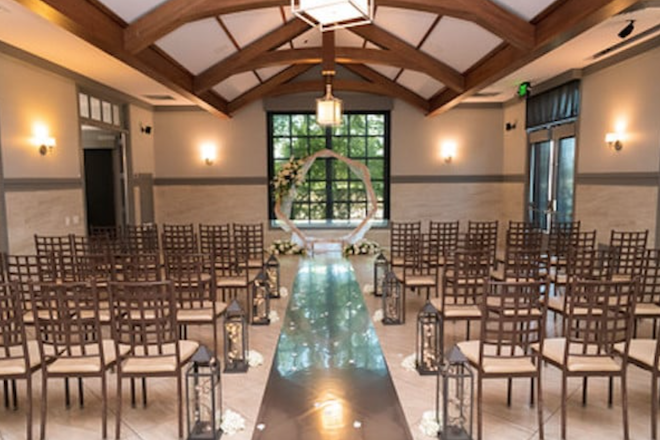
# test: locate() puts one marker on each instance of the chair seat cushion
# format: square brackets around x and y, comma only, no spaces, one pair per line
[397,261]
[421,281]
[554,348]
[457,311]
[204,313]
[647,310]
[89,364]
[161,363]
[641,350]
[16,365]
[229,282]
[498,364]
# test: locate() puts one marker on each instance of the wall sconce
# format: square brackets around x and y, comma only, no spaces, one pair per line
[448,151]
[146,129]
[209,153]
[614,141]
[43,140]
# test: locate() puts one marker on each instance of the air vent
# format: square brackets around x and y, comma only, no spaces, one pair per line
[625,43]
[159,97]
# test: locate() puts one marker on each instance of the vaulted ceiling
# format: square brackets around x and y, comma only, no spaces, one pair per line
[224,54]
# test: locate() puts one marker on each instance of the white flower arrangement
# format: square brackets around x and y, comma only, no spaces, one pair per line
[273,316]
[232,422]
[378,315]
[429,424]
[284,292]
[362,247]
[290,175]
[408,363]
[368,289]
[255,359]
[285,247]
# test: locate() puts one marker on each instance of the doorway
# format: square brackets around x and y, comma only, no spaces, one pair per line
[103,162]
[551,193]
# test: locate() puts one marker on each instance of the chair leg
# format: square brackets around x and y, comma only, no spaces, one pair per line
[610,391]
[509,383]
[584,391]
[104,407]
[5,388]
[179,407]
[81,396]
[564,385]
[539,405]
[44,400]
[531,392]
[479,408]
[67,393]
[624,405]
[654,406]
[144,392]
[14,394]
[118,409]
[467,330]
[133,392]
[28,406]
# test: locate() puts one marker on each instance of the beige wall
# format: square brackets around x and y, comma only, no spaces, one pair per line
[142,144]
[31,95]
[515,140]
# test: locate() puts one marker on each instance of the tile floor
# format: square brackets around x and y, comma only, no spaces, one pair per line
[243,392]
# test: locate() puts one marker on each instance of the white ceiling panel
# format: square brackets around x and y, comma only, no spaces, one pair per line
[206,36]
[420,83]
[524,8]
[346,38]
[269,72]
[388,71]
[311,38]
[459,43]
[249,26]
[408,25]
[236,85]
[131,10]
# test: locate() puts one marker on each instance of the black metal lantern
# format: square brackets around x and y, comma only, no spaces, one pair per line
[381,265]
[260,300]
[457,397]
[236,339]
[394,302]
[204,396]
[272,267]
[428,340]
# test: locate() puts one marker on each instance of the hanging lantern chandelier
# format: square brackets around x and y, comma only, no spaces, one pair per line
[328,108]
[329,15]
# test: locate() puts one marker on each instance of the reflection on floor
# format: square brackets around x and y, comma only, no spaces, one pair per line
[244,392]
[329,377]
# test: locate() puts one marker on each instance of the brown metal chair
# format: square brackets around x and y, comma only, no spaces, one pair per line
[463,290]
[630,247]
[648,301]
[401,235]
[193,276]
[145,328]
[71,344]
[512,319]
[19,357]
[599,316]
[420,267]
[483,234]
[62,250]
[26,269]
[563,236]
[444,236]
[141,238]
[139,266]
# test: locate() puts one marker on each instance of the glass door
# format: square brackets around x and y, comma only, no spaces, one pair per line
[551,175]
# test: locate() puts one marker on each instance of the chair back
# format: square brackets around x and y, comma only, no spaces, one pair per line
[179,239]
[13,339]
[482,235]
[144,318]
[141,238]
[193,278]
[67,323]
[249,242]
[599,314]
[62,250]
[464,284]
[26,269]
[630,246]
[523,235]
[401,236]
[512,319]
[421,256]
[136,267]
[649,291]
[213,237]
[524,264]
[563,236]
[444,236]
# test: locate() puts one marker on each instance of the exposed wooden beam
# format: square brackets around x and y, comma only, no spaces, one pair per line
[568,19]
[227,67]
[168,16]
[397,89]
[344,55]
[95,26]
[267,87]
[442,72]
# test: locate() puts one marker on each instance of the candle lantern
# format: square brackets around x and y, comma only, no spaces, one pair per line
[273,273]
[428,340]
[394,303]
[260,300]
[381,265]
[236,339]
[456,395]
[204,396]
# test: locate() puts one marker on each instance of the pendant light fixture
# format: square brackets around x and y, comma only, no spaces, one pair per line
[329,15]
[328,108]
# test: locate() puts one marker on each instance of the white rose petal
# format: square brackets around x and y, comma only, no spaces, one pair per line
[232,422]
[273,316]
[378,315]
[255,358]
[408,363]
[429,425]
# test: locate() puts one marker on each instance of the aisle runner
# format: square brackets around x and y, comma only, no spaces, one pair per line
[329,379]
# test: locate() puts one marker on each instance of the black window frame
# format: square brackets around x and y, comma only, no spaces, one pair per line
[329,177]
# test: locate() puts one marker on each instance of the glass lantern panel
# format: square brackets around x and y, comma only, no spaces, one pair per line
[457,396]
[428,345]
[235,343]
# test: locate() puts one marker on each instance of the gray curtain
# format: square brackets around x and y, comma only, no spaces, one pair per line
[558,104]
